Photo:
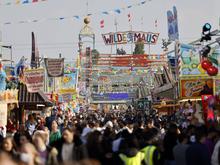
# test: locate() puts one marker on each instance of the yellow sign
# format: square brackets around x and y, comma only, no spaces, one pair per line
[64,91]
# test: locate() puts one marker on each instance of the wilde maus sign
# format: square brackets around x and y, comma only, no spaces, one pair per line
[130,37]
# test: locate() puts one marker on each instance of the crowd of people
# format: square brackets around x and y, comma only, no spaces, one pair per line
[128,137]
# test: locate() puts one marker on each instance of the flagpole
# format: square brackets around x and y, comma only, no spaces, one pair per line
[129,19]
[116,30]
[131,42]
[87,7]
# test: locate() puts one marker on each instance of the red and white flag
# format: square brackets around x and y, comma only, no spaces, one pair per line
[102,22]
[129,17]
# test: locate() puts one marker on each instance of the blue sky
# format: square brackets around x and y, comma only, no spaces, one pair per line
[54,37]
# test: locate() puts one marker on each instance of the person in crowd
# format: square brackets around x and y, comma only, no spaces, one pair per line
[29,155]
[65,124]
[8,146]
[170,140]
[129,151]
[55,134]
[68,146]
[5,159]
[152,155]
[87,129]
[48,155]
[20,138]
[117,142]
[215,159]
[31,124]
[94,146]
[210,141]
[179,151]
[198,153]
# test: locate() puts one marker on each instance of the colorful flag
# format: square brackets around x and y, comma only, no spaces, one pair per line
[117,11]
[129,17]
[155,23]
[25,1]
[102,23]
[76,16]
[105,12]
[17,2]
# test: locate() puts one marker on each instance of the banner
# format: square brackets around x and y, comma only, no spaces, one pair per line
[111,96]
[9,96]
[55,67]
[66,95]
[64,91]
[34,79]
[70,67]
[173,32]
[194,88]
[68,81]
[3,114]
[130,37]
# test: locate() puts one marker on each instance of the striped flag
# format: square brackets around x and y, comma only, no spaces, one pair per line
[129,17]
[102,23]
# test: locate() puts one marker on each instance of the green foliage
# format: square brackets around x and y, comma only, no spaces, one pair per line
[139,47]
[95,56]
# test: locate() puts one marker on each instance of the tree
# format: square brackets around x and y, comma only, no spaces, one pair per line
[95,56]
[139,47]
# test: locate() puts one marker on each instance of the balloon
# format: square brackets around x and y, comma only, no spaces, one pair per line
[206,64]
[212,71]
[202,71]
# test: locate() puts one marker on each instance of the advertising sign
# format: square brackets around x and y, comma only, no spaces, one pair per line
[55,67]
[190,61]
[194,88]
[34,79]
[130,37]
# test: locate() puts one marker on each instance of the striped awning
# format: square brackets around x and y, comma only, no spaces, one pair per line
[31,100]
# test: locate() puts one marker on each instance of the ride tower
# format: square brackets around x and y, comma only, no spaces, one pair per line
[86,45]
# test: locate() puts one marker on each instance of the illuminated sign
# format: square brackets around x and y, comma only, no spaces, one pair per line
[130,37]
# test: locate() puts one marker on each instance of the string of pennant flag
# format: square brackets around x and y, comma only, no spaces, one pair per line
[78,17]
[19,2]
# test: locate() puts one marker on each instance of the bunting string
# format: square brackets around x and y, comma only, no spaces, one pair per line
[76,17]
[19,2]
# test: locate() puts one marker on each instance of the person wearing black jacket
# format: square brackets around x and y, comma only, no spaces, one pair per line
[198,153]
[170,140]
